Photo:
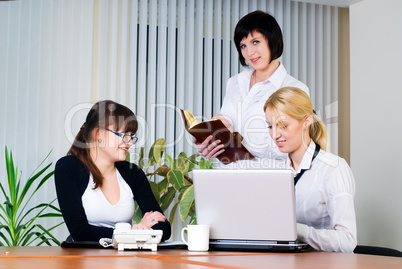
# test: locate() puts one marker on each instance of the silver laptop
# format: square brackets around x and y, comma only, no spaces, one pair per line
[247,209]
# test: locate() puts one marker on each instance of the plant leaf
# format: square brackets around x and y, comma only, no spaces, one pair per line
[154,188]
[193,219]
[162,171]
[36,215]
[37,235]
[169,161]
[3,191]
[175,178]
[192,161]
[11,176]
[159,148]
[4,215]
[43,206]
[167,198]
[29,183]
[20,223]
[205,164]
[26,236]
[137,214]
[186,203]
[50,215]
[182,163]
[3,236]
[163,185]
[46,232]
[42,162]
[173,212]
[141,158]
[156,151]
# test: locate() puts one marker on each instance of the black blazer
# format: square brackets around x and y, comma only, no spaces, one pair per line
[71,179]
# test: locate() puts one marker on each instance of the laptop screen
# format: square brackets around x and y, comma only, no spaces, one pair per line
[246,204]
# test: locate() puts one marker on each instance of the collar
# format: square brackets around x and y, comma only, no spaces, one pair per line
[244,78]
[276,78]
[306,161]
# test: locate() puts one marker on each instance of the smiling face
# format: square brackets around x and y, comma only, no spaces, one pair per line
[289,134]
[255,51]
[111,146]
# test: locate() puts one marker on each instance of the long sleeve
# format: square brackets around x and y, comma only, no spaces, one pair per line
[326,217]
[139,184]
[242,107]
[71,180]
[342,236]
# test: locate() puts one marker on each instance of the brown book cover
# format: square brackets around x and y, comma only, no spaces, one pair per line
[234,149]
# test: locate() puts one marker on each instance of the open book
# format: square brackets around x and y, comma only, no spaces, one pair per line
[234,149]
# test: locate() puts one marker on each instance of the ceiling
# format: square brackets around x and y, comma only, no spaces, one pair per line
[337,3]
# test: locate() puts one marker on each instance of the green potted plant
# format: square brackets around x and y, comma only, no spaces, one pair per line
[168,177]
[18,219]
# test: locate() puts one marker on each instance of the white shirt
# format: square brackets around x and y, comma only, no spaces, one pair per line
[243,109]
[324,202]
[100,212]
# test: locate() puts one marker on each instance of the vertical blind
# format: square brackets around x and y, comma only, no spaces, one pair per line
[59,57]
[45,84]
[160,56]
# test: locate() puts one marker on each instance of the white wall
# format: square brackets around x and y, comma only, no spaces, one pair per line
[376,125]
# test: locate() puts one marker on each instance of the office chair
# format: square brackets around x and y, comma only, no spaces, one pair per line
[382,251]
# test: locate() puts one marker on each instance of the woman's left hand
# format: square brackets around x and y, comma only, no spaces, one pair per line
[140,227]
[151,218]
[223,120]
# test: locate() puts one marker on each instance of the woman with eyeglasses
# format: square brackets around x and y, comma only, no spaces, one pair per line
[96,188]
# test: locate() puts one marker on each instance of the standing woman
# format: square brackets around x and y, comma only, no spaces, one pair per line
[259,43]
[324,183]
[96,188]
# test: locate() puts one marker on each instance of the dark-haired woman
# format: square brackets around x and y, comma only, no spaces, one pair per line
[258,39]
[96,188]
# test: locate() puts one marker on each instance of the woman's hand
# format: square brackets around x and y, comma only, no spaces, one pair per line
[223,120]
[140,227]
[211,150]
[150,219]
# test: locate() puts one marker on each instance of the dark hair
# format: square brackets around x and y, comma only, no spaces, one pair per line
[263,23]
[102,115]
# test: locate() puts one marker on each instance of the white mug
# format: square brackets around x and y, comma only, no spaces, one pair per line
[198,237]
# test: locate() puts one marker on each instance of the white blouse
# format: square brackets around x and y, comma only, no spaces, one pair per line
[100,212]
[243,109]
[325,210]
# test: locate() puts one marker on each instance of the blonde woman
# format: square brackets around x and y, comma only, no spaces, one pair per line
[324,183]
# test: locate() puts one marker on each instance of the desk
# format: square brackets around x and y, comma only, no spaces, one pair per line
[57,257]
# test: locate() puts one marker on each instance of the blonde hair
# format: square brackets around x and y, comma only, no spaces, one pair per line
[297,104]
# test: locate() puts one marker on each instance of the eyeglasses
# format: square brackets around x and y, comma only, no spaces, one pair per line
[125,137]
